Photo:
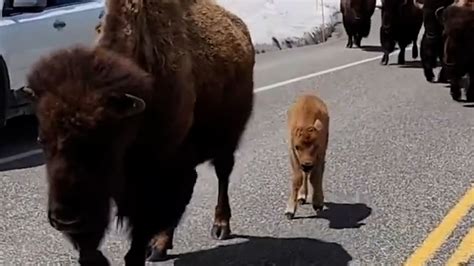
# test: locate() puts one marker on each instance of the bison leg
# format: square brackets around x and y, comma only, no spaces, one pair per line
[136,255]
[426,58]
[87,244]
[414,51]
[358,40]
[223,167]
[442,77]
[160,245]
[401,56]
[470,88]
[384,60]
[455,89]
[349,41]
[316,181]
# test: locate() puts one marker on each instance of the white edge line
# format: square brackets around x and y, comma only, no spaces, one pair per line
[257,90]
[20,156]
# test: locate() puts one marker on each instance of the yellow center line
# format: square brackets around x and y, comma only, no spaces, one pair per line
[464,251]
[436,238]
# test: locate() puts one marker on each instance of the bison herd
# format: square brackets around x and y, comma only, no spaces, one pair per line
[448,38]
[168,85]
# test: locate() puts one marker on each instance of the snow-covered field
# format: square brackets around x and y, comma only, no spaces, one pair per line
[290,22]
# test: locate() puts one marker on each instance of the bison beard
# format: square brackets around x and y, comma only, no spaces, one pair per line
[130,119]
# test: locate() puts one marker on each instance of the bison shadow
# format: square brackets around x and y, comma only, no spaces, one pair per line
[269,251]
[18,144]
[412,64]
[343,215]
[372,48]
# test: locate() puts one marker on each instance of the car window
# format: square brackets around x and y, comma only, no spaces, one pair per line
[58,3]
[8,11]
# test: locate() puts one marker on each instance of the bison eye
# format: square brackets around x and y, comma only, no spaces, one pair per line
[297,147]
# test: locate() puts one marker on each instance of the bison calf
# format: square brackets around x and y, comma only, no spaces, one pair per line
[356,16]
[458,58]
[308,124]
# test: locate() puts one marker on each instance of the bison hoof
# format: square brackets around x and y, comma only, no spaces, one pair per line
[157,255]
[290,215]
[318,208]
[470,96]
[384,60]
[220,232]
[301,201]
[456,95]
[95,258]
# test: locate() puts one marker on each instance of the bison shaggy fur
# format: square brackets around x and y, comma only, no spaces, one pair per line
[168,85]
[308,128]
[401,23]
[458,57]
[431,49]
[356,18]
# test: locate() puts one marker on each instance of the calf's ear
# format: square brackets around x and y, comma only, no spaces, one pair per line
[318,125]
[123,105]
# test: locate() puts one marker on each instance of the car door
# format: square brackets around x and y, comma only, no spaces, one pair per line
[25,37]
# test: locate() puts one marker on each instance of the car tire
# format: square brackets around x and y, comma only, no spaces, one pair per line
[4,87]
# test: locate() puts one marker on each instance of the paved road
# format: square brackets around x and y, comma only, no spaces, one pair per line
[400,157]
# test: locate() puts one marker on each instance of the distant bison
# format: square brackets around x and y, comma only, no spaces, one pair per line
[458,21]
[432,41]
[129,120]
[308,129]
[401,23]
[356,17]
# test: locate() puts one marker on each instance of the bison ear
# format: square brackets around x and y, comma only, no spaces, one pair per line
[318,125]
[125,105]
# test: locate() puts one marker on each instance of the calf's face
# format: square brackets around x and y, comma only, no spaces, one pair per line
[307,144]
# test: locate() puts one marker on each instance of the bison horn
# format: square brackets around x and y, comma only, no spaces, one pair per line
[28,93]
[125,105]
[418,4]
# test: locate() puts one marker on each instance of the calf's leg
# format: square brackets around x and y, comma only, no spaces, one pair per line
[296,184]
[223,166]
[316,181]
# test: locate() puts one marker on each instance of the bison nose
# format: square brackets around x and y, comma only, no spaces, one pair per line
[62,220]
[307,167]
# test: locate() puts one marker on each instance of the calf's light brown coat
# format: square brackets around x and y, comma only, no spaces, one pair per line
[308,126]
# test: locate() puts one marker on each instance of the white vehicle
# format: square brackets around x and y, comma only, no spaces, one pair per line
[30,29]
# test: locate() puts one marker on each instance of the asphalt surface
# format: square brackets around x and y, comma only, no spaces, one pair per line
[399,157]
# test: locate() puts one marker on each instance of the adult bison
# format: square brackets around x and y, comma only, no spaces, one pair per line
[401,23]
[356,18]
[458,57]
[432,41]
[168,85]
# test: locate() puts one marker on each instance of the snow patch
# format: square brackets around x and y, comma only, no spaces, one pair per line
[286,22]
